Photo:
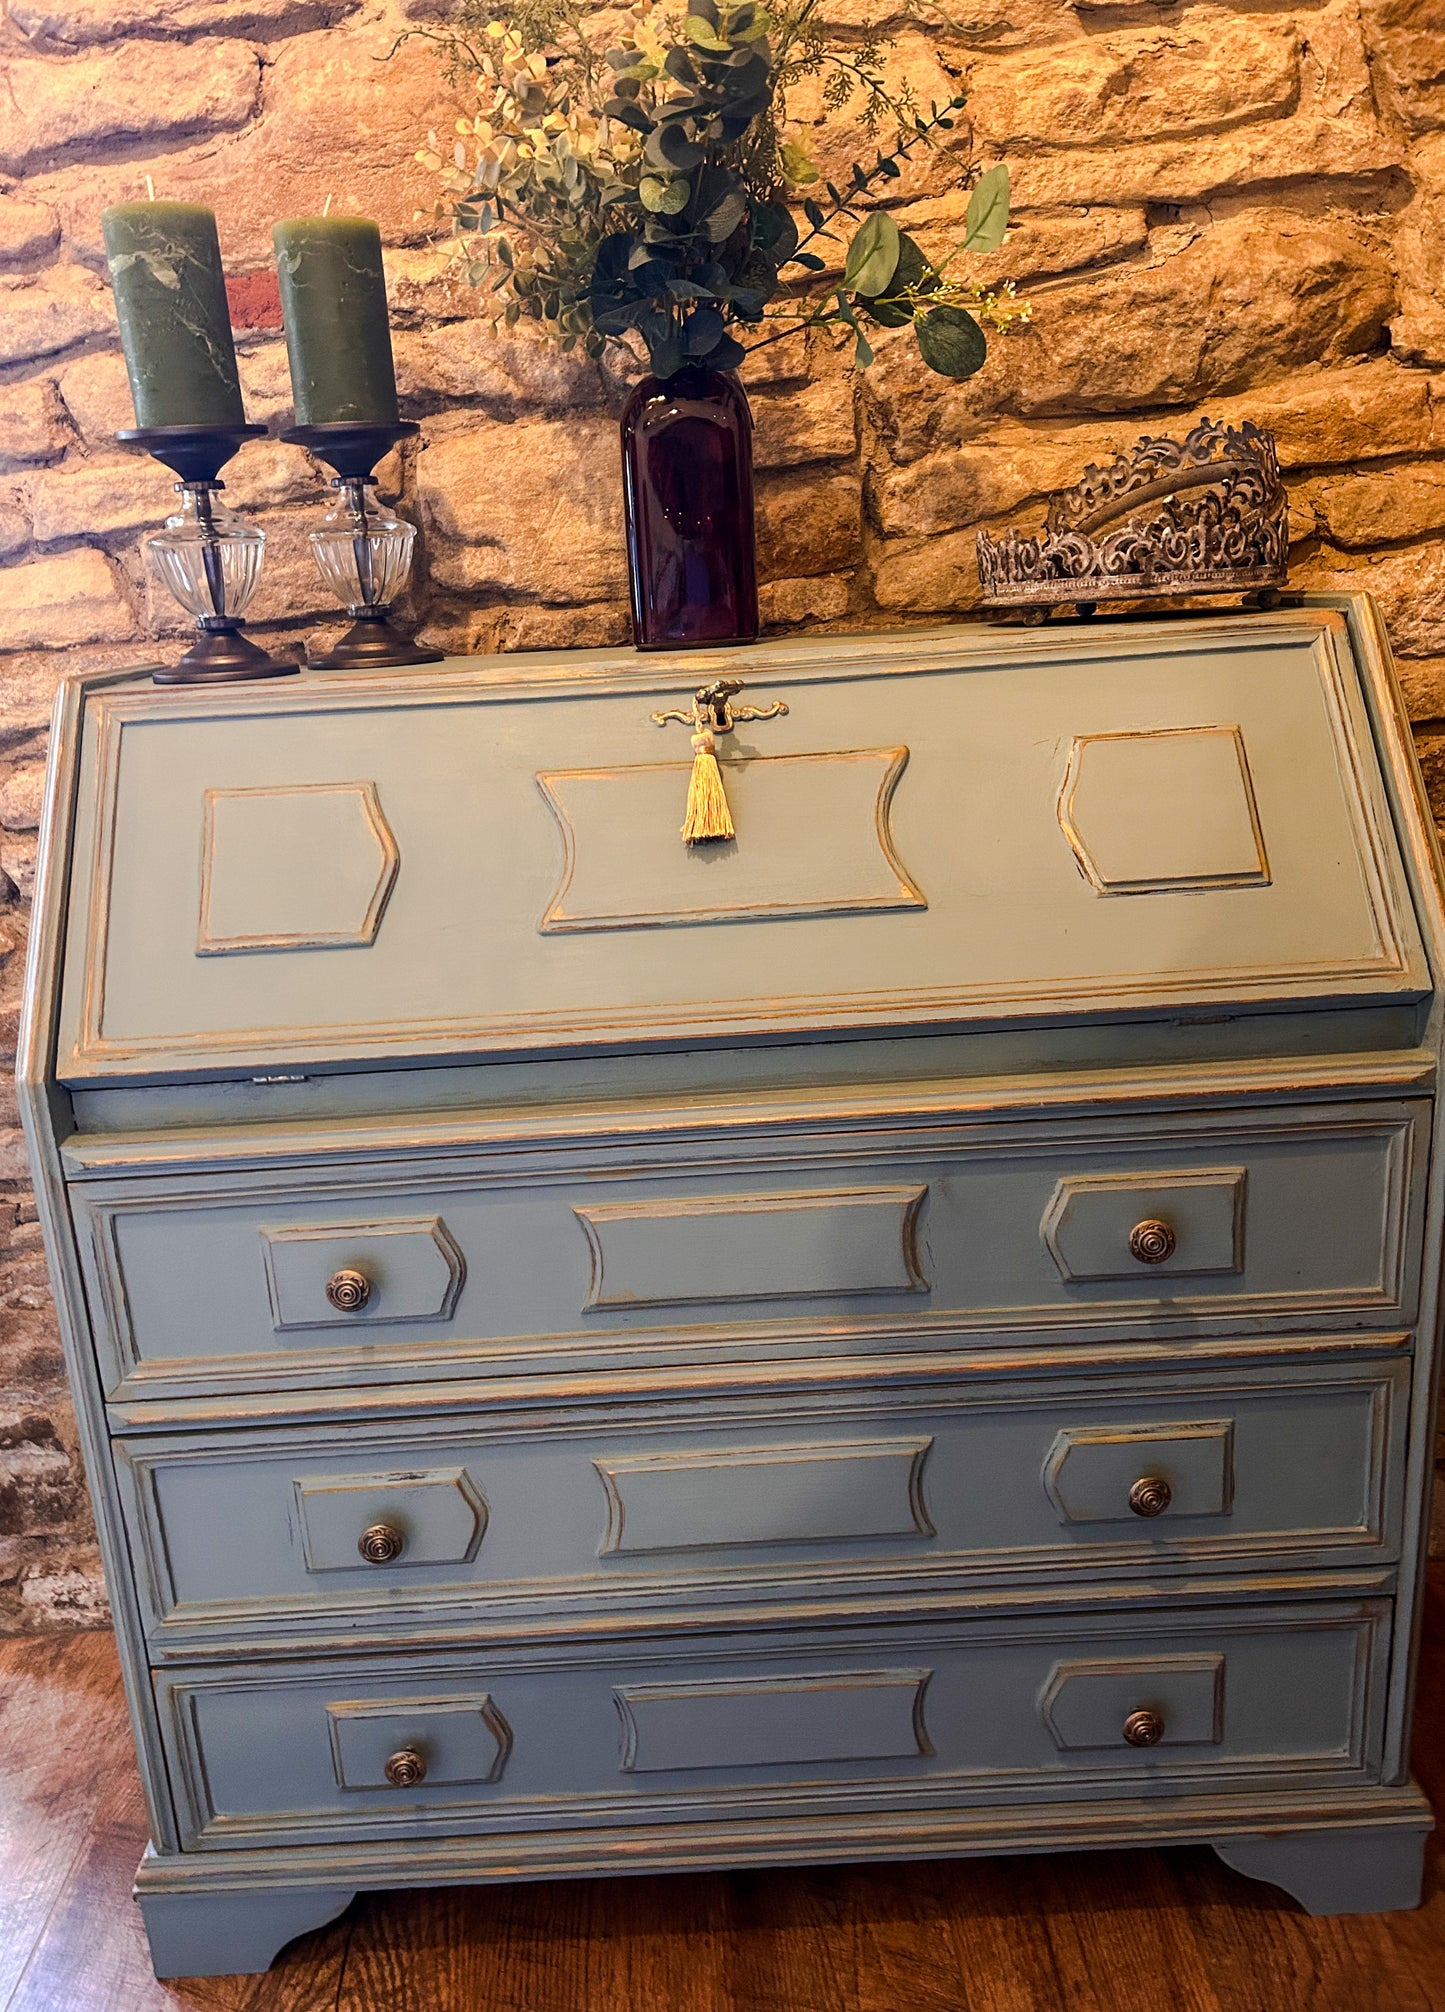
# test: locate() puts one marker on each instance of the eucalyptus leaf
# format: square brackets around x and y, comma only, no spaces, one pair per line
[862,352]
[911,271]
[950,341]
[670,147]
[703,34]
[663,197]
[987,217]
[721,222]
[873,255]
[702,331]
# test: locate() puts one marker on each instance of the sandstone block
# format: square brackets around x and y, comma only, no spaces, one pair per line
[1260,294]
[1360,512]
[1409,584]
[990,478]
[70,1596]
[939,575]
[529,626]
[14,523]
[338,120]
[787,604]
[100,499]
[813,422]
[1406,39]
[1041,244]
[83,22]
[32,422]
[492,526]
[53,602]
[467,362]
[138,91]
[1160,84]
[808,524]
[51,312]
[20,797]
[1357,413]
[27,230]
[39,1491]
[1311,146]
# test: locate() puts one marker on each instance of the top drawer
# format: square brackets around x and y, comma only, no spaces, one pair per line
[945,827]
[757,1245]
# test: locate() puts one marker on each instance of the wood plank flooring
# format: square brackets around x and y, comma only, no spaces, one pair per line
[1156,1931]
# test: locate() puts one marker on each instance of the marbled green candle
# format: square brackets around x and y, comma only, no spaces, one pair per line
[170,297]
[338,337]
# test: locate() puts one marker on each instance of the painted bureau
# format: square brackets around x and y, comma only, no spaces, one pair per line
[907,1332]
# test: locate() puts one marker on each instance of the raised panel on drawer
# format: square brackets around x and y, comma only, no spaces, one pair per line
[959,1714]
[256,1539]
[756,1244]
[940,828]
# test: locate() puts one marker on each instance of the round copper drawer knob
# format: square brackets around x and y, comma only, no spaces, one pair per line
[1143,1729]
[348,1291]
[1152,1242]
[381,1544]
[1150,1496]
[405,1769]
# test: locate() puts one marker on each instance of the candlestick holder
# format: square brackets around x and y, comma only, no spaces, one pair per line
[362,551]
[207,555]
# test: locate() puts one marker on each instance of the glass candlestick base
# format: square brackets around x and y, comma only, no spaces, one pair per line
[362,551]
[207,556]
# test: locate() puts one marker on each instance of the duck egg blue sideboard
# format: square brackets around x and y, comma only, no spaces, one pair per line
[905,1333]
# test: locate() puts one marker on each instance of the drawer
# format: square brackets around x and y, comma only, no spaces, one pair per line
[771,1726]
[764,1242]
[276,1538]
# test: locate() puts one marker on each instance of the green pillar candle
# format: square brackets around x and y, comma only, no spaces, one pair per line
[338,338]
[175,329]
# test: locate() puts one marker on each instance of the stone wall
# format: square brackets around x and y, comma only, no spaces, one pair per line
[1237,209]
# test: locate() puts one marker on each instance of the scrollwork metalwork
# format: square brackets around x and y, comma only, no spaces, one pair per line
[1206,514]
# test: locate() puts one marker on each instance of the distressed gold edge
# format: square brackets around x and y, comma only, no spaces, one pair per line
[208,945]
[1217,986]
[1181,883]
[1202,1660]
[555,921]
[908,1200]
[455,1477]
[609,1467]
[1070,1436]
[480,1704]
[626,1696]
[433,1226]
[1069,1185]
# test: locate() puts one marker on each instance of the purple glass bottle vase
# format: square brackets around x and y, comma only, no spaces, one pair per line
[687,465]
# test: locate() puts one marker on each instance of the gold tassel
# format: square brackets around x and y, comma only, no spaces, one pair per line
[707,805]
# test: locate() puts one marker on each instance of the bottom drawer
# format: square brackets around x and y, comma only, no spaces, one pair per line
[959,1713]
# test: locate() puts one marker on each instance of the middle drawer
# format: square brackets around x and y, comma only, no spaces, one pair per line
[280,1537]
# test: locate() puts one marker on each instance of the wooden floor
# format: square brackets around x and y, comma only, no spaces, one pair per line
[1161,1931]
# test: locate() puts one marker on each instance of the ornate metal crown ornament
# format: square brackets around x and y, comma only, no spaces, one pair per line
[1205,515]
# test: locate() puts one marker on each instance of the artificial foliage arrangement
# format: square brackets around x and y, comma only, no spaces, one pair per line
[653,182]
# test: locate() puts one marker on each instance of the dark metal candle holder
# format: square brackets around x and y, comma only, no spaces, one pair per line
[353,448]
[220,653]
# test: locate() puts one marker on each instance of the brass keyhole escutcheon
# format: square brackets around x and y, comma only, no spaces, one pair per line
[405,1769]
[381,1544]
[1150,1496]
[1152,1241]
[348,1290]
[1143,1729]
